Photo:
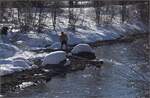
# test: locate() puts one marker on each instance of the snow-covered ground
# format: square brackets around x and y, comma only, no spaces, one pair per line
[18,44]
[14,65]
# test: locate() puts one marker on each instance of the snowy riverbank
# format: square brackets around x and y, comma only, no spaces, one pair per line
[19,44]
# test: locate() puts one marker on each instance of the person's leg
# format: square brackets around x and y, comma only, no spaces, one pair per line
[62,45]
[66,46]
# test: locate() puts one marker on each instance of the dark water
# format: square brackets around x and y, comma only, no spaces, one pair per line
[116,79]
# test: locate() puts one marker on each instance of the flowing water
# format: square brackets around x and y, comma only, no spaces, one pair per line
[116,79]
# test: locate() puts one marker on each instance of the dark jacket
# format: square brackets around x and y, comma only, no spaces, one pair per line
[63,37]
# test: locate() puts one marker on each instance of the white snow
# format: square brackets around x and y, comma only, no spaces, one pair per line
[20,65]
[54,57]
[26,84]
[5,69]
[14,66]
[81,48]
[23,60]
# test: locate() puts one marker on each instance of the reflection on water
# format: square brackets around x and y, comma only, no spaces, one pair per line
[114,80]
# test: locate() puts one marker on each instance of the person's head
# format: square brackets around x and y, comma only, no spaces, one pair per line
[5,29]
[62,33]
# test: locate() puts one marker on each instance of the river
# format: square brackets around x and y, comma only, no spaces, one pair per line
[116,79]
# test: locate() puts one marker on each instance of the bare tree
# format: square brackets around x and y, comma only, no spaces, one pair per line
[124,11]
[144,11]
[73,18]
[97,6]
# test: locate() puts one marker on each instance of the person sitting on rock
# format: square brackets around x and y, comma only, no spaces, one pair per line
[4,33]
[64,40]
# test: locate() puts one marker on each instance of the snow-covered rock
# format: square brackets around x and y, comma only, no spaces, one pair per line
[19,65]
[55,46]
[7,50]
[4,70]
[54,58]
[81,48]
[84,51]
[23,59]
[15,66]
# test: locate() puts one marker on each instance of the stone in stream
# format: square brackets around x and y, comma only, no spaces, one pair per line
[57,58]
[84,51]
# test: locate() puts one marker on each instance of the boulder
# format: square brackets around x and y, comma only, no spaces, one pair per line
[55,58]
[19,65]
[84,51]
[55,46]
[7,50]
